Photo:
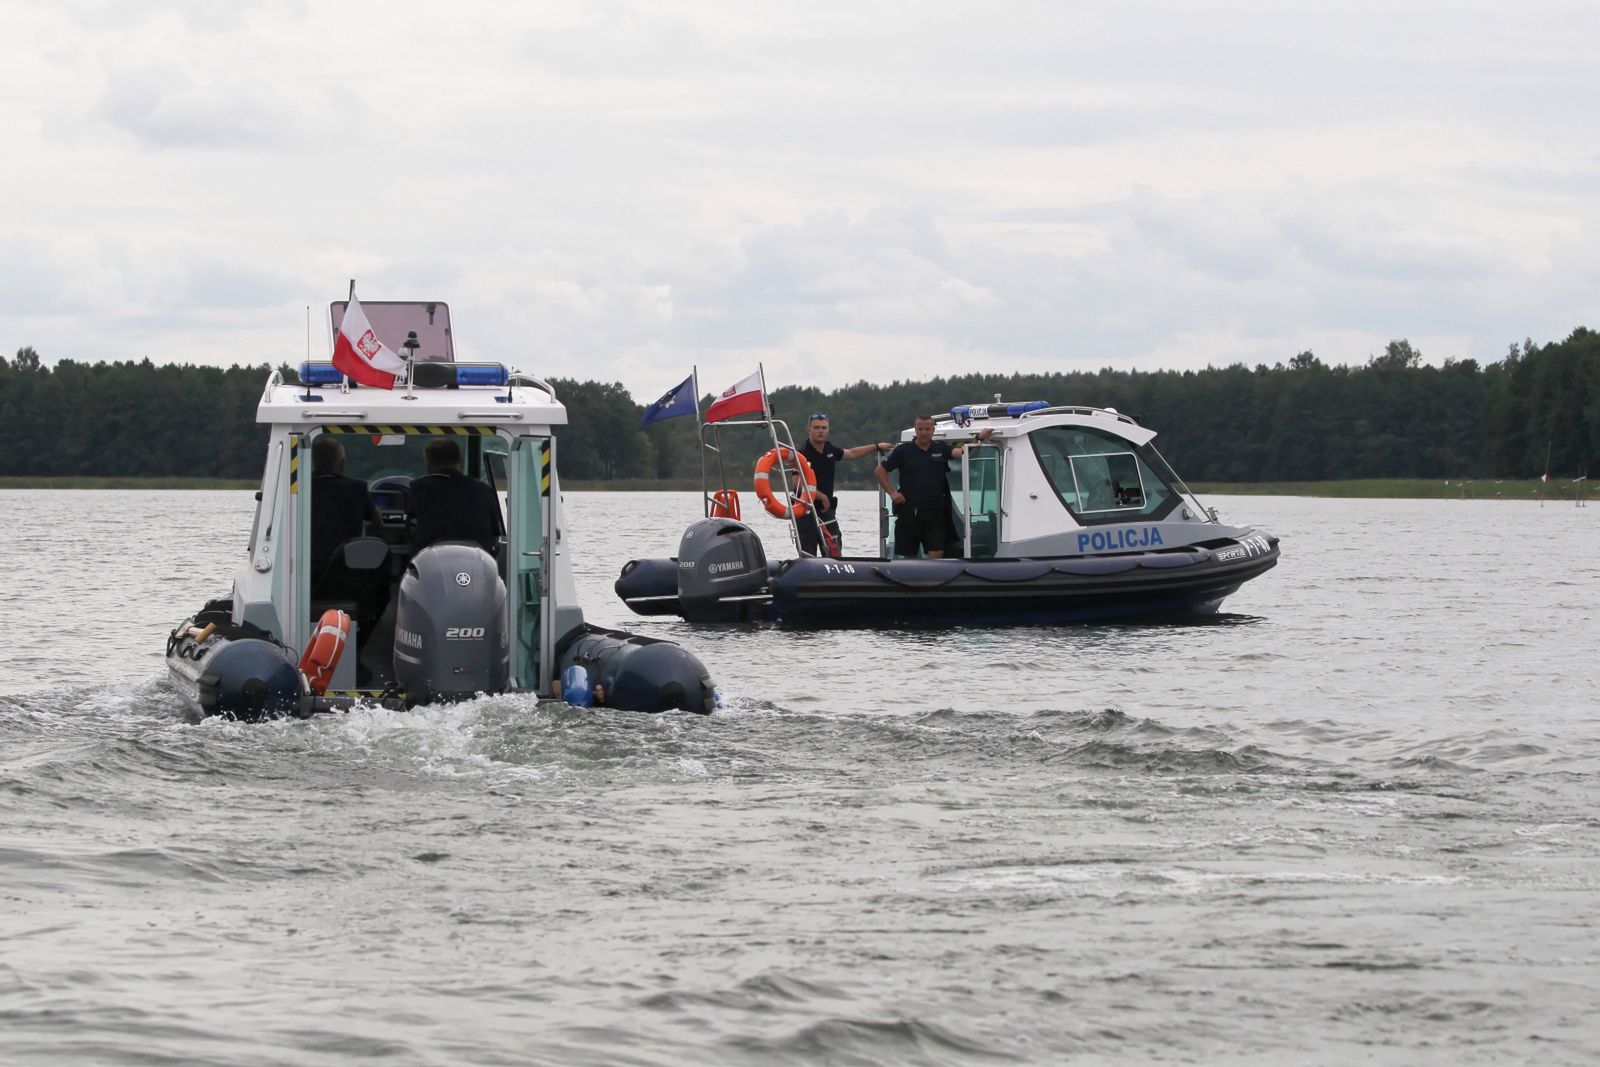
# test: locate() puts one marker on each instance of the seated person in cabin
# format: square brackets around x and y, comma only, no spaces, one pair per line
[922,503]
[447,505]
[341,507]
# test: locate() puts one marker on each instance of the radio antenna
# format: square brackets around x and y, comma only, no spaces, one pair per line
[1544,483]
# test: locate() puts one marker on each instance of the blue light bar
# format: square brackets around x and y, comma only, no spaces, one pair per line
[996,411]
[481,374]
[494,374]
[319,374]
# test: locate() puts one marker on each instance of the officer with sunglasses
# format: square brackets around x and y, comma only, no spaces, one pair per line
[824,456]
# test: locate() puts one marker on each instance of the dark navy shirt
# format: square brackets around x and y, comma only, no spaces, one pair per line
[923,475]
[823,465]
[339,508]
[449,506]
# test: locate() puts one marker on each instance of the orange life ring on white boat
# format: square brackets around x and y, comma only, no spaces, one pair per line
[772,501]
[322,652]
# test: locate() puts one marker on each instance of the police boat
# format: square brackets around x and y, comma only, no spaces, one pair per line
[385,621]
[1062,515]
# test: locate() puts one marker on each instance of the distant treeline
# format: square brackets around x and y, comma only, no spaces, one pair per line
[1297,421]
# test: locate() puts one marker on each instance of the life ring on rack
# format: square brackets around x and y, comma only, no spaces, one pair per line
[772,501]
[322,652]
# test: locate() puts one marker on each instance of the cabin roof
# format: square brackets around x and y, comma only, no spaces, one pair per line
[526,402]
[948,427]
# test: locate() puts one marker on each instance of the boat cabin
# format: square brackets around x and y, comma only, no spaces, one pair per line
[504,423]
[1058,480]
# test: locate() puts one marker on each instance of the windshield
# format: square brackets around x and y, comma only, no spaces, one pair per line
[1100,477]
[371,457]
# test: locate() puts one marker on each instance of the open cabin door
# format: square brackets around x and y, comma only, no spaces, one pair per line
[292,584]
[527,562]
[974,483]
[978,500]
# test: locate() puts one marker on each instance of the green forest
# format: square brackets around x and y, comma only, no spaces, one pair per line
[1299,421]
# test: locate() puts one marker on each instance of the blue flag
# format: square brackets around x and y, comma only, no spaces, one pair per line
[680,401]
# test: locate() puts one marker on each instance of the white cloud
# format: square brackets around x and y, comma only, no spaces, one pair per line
[619,190]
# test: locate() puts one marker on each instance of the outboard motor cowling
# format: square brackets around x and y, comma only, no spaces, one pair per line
[450,637]
[722,572]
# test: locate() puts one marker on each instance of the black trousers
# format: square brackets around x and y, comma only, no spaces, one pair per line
[921,526]
[812,543]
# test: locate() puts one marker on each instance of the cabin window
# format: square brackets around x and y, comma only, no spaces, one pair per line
[1100,477]
[373,457]
[388,461]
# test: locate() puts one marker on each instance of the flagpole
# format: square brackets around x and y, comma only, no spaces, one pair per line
[1544,483]
[344,379]
[700,441]
[783,468]
[722,474]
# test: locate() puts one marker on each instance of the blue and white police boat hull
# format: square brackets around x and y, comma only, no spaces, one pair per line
[1063,515]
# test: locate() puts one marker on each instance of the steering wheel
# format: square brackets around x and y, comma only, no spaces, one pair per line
[393,483]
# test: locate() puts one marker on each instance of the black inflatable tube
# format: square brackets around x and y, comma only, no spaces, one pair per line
[634,673]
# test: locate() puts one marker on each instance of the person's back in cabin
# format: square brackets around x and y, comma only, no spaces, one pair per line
[447,505]
[341,507]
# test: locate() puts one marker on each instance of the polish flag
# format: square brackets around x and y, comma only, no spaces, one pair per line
[742,399]
[360,356]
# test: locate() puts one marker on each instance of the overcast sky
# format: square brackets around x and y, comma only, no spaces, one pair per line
[843,191]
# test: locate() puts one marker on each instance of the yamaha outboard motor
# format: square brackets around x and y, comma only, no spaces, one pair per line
[722,572]
[450,625]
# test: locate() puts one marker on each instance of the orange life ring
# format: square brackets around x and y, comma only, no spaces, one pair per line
[324,649]
[774,505]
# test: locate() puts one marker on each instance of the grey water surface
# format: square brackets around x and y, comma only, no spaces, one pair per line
[1352,819]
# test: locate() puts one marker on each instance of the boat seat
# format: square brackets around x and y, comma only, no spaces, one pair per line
[355,580]
[362,554]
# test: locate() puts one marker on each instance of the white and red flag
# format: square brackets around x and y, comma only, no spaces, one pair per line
[360,356]
[745,398]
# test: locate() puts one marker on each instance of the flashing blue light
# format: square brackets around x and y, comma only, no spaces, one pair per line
[494,374]
[967,412]
[319,374]
[481,374]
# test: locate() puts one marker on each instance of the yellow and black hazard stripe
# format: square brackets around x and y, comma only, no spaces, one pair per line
[294,464]
[408,428]
[544,467]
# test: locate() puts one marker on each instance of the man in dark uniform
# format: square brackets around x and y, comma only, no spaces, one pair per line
[341,507]
[449,506]
[824,457]
[922,503]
